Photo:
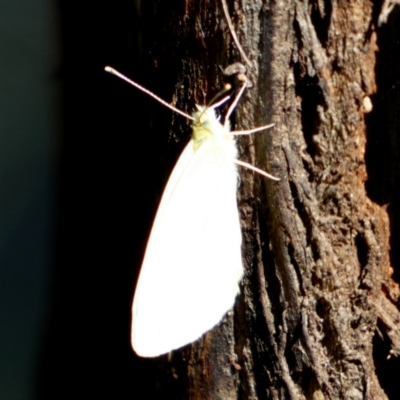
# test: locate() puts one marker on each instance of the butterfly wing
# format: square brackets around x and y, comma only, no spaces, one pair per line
[192,265]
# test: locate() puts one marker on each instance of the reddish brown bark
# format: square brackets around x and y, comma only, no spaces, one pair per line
[316,247]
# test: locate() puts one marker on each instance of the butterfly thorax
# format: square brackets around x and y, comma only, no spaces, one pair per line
[206,125]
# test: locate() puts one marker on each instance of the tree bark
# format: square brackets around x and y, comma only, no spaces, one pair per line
[316,248]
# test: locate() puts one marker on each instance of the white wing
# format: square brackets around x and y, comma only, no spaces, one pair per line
[192,265]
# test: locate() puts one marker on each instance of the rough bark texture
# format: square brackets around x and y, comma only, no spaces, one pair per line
[316,248]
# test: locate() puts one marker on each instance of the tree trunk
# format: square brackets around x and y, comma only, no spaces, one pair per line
[316,248]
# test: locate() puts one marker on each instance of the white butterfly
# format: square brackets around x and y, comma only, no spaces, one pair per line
[193,264]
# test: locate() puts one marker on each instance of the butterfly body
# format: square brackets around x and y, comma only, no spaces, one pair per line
[192,265]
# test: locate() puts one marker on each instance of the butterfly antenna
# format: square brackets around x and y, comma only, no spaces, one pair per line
[226,88]
[234,103]
[151,94]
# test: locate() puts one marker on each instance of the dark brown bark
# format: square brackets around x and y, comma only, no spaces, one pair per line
[316,248]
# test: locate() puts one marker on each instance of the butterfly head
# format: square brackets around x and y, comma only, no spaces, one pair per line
[206,125]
